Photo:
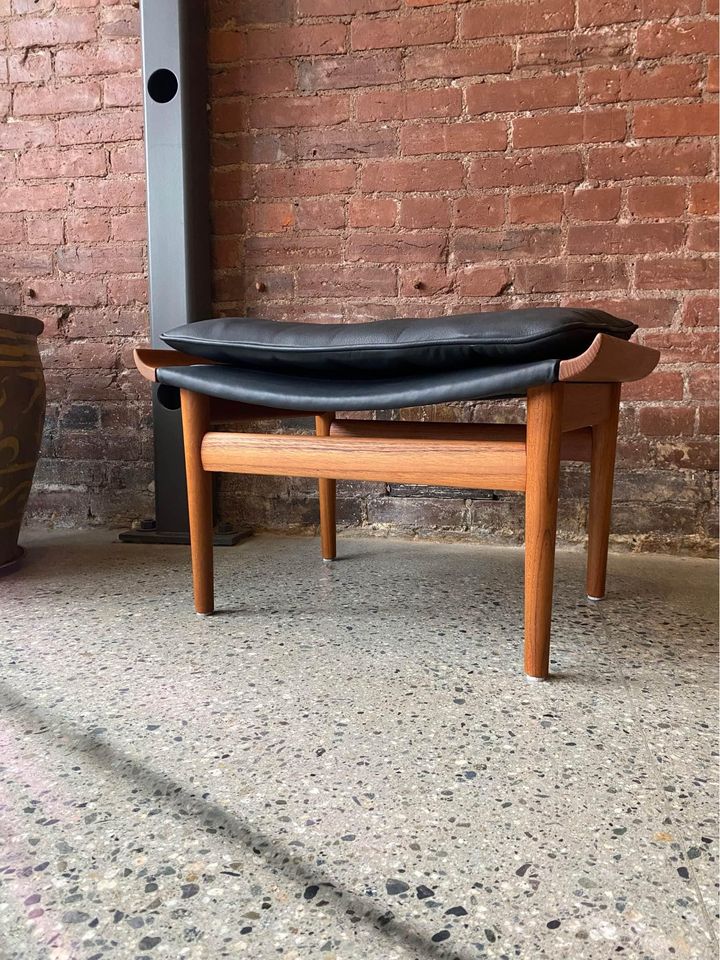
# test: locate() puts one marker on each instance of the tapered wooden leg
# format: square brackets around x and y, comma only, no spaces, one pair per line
[196,422]
[544,415]
[602,471]
[328,540]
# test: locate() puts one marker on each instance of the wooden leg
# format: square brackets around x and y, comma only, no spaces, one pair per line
[196,422]
[602,470]
[544,416]
[328,540]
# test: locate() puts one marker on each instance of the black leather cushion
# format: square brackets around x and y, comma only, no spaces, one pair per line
[322,394]
[390,348]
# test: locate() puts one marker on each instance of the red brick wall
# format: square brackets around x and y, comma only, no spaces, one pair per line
[376,158]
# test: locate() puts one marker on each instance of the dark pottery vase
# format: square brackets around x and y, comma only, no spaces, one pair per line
[22,414]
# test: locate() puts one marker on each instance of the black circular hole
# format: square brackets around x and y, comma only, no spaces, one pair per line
[162,85]
[168,397]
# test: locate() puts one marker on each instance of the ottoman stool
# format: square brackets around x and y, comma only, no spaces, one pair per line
[568,363]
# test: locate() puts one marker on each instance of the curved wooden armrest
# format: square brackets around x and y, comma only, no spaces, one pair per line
[147,360]
[610,360]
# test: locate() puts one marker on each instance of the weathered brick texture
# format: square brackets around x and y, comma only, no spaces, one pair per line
[376,158]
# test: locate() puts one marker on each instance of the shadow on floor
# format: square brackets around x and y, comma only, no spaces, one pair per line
[320,890]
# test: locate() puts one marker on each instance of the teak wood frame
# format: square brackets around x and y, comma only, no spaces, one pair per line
[574,419]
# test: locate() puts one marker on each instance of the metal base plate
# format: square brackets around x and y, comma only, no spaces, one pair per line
[227,538]
[12,565]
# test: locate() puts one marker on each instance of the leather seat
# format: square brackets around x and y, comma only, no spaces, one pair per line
[384,364]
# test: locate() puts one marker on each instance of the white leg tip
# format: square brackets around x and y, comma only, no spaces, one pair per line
[529,679]
[595,599]
[329,559]
[202,614]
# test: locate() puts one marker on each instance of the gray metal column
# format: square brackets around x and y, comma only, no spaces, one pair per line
[175,93]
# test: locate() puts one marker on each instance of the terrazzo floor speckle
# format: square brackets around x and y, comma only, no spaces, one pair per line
[345,761]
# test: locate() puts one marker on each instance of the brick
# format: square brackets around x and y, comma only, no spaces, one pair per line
[299,111]
[468,137]
[283,249]
[407,247]
[98,60]
[346,142]
[615,84]
[305,181]
[598,13]
[676,273]
[24,262]
[88,293]
[479,212]
[516,244]
[299,40]
[660,385]
[327,213]
[120,22]
[536,208]
[128,158]
[559,129]
[593,203]
[338,8]
[502,18]
[108,126]
[109,193]
[703,384]
[48,101]
[363,280]
[712,82]
[703,199]
[51,31]
[564,275]
[410,31]
[13,230]
[256,77]
[372,212]
[230,184]
[658,39]
[271,217]
[650,312]
[587,48]
[22,134]
[676,120]
[424,281]
[409,176]
[122,91]
[30,66]
[481,281]
[700,312]
[526,170]
[124,290]
[227,46]
[129,226]
[708,421]
[417,213]
[51,164]
[438,62]
[332,73]
[666,421]
[19,197]
[624,238]
[408,105]
[660,200]
[537,93]
[87,226]
[703,235]
[115,258]
[44,230]
[648,160]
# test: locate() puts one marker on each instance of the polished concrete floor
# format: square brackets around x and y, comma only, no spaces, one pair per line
[345,761]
